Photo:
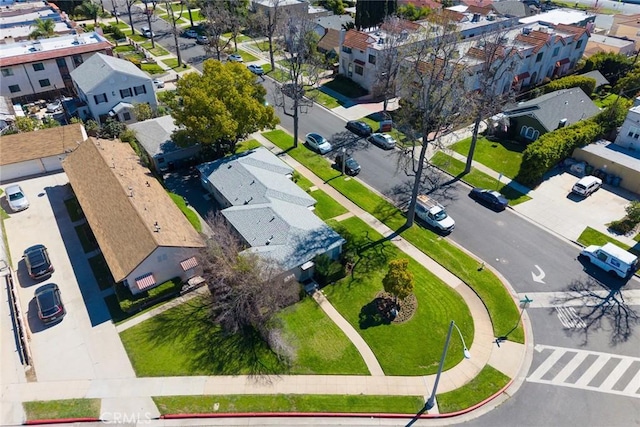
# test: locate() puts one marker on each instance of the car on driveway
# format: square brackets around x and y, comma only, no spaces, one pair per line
[200,39]
[55,106]
[38,263]
[359,128]
[190,34]
[49,302]
[383,140]
[158,84]
[586,186]
[490,198]
[256,69]
[235,57]
[16,199]
[318,143]
[351,167]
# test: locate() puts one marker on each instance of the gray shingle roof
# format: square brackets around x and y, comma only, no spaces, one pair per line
[155,135]
[571,104]
[254,177]
[287,233]
[99,68]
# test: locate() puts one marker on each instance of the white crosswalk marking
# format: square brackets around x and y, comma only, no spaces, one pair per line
[570,318]
[573,359]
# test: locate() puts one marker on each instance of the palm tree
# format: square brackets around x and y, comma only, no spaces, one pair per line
[88,9]
[43,28]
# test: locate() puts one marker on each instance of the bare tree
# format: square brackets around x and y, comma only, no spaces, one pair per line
[129,4]
[174,27]
[432,82]
[304,66]
[114,9]
[492,78]
[268,20]
[247,290]
[218,16]
[238,10]
[149,12]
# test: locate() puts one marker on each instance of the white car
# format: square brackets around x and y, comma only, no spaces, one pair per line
[383,140]
[235,57]
[16,198]
[190,34]
[318,143]
[158,84]
[256,69]
[55,106]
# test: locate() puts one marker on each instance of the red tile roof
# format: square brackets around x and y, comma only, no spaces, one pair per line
[357,40]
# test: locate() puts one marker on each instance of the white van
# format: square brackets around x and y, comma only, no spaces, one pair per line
[586,185]
[611,259]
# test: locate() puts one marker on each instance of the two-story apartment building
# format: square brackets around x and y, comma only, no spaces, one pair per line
[41,69]
[109,87]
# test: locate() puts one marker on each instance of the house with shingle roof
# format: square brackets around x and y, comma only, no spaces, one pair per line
[549,112]
[145,239]
[273,216]
[38,152]
[109,88]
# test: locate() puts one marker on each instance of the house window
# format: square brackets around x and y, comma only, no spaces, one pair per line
[556,51]
[61,62]
[100,98]
[14,88]
[6,72]
[359,69]
[578,44]
[45,83]
[126,116]
[38,67]
[372,59]
[634,132]
[346,49]
[539,57]
[125,93]
[529,133]
[140,89]
[77,60]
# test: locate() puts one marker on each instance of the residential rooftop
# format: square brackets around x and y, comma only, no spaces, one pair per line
[559,16]
[17,20]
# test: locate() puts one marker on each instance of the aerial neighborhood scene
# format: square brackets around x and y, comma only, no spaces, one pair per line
[320,212]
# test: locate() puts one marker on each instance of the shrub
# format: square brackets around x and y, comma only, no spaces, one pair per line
[587,84]
[130,303]
[327,270]
[633,211]
[623,226]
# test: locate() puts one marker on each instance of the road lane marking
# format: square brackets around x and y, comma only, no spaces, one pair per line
[575,299]
[593,370]
[634,384]
[570,318]
[615,375]
[570,367]
[547,364]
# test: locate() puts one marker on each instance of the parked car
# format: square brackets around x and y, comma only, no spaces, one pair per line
[235,57]
[383,140]
[16,198]
[586,186]
[38,263]
[256,69]
[49,302]
[146,32]
[490,198]
[158,84]
[359,128]
[351,167]
[201,39]
[55,106]
[190,34]
[318,143]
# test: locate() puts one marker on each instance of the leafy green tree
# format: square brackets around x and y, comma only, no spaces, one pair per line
[336,6]
[43,28]
[633,211]
[88,9]
[412,13]
[399,280]
[219,107]
[111,129]
[142,111]
[25,124]
[370,13]
[49,122]
[612,65]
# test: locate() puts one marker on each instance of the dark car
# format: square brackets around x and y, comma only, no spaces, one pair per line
[351,167]
[490,198]
[38,262]
[359,128]
[50,307]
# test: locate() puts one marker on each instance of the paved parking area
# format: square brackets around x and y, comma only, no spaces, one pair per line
[554,207]
[85,344]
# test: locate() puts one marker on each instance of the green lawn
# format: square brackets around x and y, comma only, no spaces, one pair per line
[606,101]
[488,382]
[152,69]
[124,48]
[193,217]
[183,341]
[156,51]
[55,409]
[101,271]
[289,403]
[138,38]
[173,63]
[504,313]
[478,179]
[241,38]
[326,207]
[247,145]
[501,156]
[246,56]
[591,236]
[323,99]
[87,239]
[74,209]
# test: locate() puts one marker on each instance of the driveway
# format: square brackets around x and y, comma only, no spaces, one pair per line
[554,207]
[85,344]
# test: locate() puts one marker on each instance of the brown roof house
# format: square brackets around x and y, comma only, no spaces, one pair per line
[144,237]
[37,152]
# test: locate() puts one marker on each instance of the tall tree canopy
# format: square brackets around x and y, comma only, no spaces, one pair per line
[42,28]
[370,13]
[219,107]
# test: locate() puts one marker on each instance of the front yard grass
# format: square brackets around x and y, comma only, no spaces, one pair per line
[183,341]
[323,99]
[326,207]
[488,381]
[152,68]
[476,178]
[246,56]
[591,236]
[501,156]
[247,145]
[193,217]
[56,409]
[504,313]
[156,51]
[289,403]
[173,63]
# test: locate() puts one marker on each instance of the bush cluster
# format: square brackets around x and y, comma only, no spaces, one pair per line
[130,303]
[627,224]
[587,84]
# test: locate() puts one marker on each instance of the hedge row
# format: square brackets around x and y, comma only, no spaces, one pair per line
[130,303]
[587,84]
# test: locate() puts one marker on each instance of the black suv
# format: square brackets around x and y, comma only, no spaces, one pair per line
[38,262]
[50,307]
[359,128]
[351,167]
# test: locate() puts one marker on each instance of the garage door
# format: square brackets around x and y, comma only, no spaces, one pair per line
[19,170]
[52,164]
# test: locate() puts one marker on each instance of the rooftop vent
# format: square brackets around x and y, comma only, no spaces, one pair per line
[526,30]
[156,227]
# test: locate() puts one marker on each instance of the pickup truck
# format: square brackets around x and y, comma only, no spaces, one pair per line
[434,214]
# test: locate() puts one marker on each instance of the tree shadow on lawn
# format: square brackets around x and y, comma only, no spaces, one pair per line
[211,349]
[371,315]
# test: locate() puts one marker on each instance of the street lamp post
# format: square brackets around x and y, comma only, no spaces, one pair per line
[344,158]
[432,399]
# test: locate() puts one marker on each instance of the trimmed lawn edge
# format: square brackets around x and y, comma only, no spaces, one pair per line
[480,389]
[88,409]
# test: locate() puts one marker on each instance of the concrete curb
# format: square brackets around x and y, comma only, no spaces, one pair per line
[61,421]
